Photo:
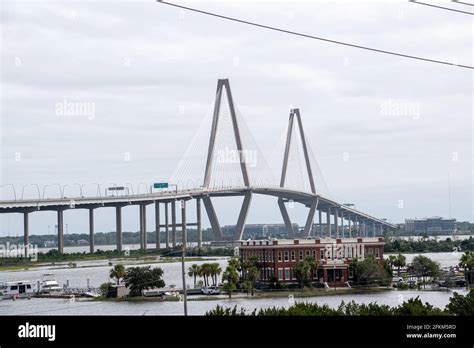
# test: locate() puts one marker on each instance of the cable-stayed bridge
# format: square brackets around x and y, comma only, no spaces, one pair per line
[233,167]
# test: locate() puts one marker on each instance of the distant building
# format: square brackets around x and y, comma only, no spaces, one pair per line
[256,231]
[278,258]
[433,225]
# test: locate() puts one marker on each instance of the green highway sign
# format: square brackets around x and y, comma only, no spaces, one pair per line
[158,185]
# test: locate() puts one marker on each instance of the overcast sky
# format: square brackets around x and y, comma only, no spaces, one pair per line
[387,131]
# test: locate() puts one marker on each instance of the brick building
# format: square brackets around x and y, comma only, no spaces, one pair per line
[279,257]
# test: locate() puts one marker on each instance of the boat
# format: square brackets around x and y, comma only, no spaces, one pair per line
[49,285]
[17,289]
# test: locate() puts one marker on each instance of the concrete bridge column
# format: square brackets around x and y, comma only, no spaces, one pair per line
[91,230]
[328,222]
[373,229]
[342,224]
[184,237]
[199,227]
[167,229]
[143,235]
[381,229]
[349,225]
[118,227]
[320,223]
[336,223]
[26,233]
[157,224]
[60,231]
[173,223]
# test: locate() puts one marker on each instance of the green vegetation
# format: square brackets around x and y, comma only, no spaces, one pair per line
[138,279]
[423,267]
[369,273]
[205,271]
[467,263]
[118,272]
[428,245]
[250,273]
[305,270]
[458,305]
[231,276]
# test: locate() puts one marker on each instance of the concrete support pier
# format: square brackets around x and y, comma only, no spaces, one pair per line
[173,224]
[157,224]
[336,224]
[60,232]
[118,227]
[199,224]
[320,216]
[143,236]
[184,237]
[328,222]
[26,233]
[91,231]
[167,229]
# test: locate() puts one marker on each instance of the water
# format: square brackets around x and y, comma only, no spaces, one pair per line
[98,272]
[446,260]
[86,248]
[41,306]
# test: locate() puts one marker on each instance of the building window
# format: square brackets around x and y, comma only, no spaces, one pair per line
[307,253]
[293,256]
[279,256]
[287,274]
[314,254]
[301,255]
[377,253]
[321,254]
[287,256]
[280,274]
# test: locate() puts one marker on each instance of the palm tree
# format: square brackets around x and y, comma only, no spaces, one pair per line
[216,270]
[391,260]
[232,277]
[206,272]
[118,272]
[399,262]
[252,276]
[194,271]
[467,262]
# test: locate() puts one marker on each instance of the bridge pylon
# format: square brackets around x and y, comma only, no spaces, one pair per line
[223,86]
[295,113]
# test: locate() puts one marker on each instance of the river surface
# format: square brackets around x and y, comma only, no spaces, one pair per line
[41,306]
[97,271]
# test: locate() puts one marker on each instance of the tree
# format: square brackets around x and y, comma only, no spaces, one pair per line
[467,262]
[231,278]
[391,260]
[215,270]
[399,262]
[194,271]
[118,272]
[305,269]
[368,271]
[138,279]
[461,305]
[424,267]
[105,288]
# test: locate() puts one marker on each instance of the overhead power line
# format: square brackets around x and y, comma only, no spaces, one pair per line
[463,3]
[315,37]
[442,7]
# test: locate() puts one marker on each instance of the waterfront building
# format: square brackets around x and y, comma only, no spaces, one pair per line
[432,226]
[278,258]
